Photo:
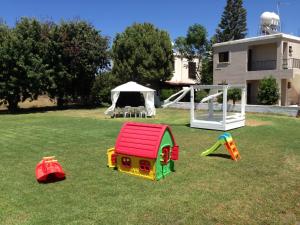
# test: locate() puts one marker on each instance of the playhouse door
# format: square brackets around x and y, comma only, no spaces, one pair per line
[166,160]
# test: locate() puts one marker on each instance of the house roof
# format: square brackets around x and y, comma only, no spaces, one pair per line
[141,139]
[132,87]
[259,38]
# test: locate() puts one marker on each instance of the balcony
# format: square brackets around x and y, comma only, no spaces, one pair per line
[262,65]
[291,63]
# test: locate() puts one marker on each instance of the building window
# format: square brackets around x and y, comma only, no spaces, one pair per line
[126,162]
[192,70]
[145,166]
[223,57]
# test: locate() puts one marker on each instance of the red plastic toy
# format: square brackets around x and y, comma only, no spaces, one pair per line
[49,170]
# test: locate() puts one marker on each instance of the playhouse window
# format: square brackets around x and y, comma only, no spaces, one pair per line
[126,162]
[166,154]
[145,166]
[113,158]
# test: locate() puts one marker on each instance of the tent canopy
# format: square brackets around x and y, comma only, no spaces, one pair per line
[131,86]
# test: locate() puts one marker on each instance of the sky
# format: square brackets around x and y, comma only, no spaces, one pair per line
[113,16]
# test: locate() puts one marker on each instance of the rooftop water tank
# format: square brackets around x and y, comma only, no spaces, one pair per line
[269,23]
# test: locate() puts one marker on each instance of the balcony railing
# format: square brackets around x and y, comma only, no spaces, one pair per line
[262,65]
[291,63]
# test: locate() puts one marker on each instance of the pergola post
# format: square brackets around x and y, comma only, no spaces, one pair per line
[243,102]
[224,106]
[192,113]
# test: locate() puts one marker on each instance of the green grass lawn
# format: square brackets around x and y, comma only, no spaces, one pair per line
[262,188]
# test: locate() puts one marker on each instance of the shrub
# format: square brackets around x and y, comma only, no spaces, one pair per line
[101,89]
[268,91]
[199,95]
[234,94]
[166,93]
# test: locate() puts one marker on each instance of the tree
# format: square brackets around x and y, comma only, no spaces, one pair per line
[77,53]
[196,40]
[102,86]
[268,91]
[181,47]
[233,25]
[207,71]
[21,64]
[207,65]
[8,84]
[234,94]
[32,42]
[194,45]
[143,53]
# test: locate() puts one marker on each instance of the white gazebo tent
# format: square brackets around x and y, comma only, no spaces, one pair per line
[131,86]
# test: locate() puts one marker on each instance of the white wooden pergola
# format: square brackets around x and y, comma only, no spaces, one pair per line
[225,121]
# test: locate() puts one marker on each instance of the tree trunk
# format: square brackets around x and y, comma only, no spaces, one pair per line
[60,102]
[12,104]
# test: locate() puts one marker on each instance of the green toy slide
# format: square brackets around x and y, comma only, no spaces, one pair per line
[221,140]
[212,149]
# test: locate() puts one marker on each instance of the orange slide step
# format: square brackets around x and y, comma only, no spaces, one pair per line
[232,149]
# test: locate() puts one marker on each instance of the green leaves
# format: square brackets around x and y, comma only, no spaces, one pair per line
[78,53]
[207,70]
[197,39]
[61,60]
[181,46]
[142,53]
[233,25]
[268,91]
[194,45]
[234,94]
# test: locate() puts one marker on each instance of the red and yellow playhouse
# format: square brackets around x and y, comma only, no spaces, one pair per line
[145,150]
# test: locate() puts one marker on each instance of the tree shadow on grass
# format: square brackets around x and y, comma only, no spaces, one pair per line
[220,155]
[45,109]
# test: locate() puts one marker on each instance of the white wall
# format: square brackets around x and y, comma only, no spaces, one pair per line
[181,71]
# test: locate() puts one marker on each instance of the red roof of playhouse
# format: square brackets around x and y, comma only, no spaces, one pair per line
[141,139]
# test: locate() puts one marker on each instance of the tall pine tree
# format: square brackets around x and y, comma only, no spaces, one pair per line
[233,25]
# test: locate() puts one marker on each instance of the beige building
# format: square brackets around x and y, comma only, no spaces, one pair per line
[249,60]
[185,71]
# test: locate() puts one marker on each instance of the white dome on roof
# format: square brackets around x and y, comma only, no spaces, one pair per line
[269,23]
[269,18]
